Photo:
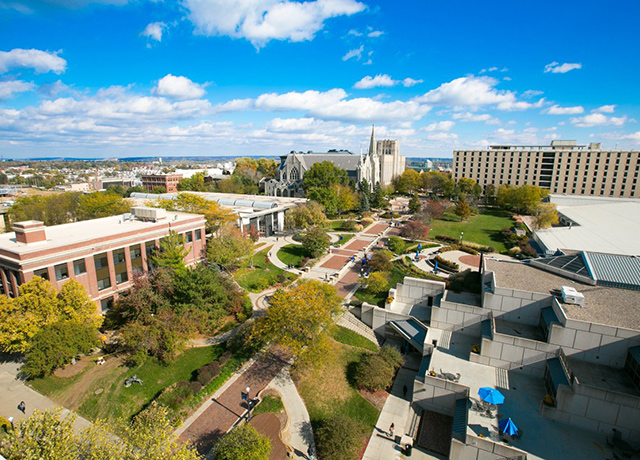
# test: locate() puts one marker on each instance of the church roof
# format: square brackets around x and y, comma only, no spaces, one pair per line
[343,159]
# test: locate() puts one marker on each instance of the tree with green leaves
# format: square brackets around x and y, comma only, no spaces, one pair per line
[101,204]
[462,209]
[315,241]
[229,247]
[409,182]
[377,282]
[346,199]
[297,319]
[243,442]
[310,214]
[414,204]
[378,199]
[335,438]
[40,305]
[171,253]
[323,175]
[524,199]
[56,345]
[49,435]
[545,216]
[325,196]
[365,206]
[216,217]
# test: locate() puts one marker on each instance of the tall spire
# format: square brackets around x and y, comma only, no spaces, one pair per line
[372,145]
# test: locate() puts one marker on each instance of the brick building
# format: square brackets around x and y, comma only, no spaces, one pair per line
[101,254]
[168,181]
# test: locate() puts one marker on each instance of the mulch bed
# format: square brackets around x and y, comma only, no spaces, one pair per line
[472,260]
[270,425]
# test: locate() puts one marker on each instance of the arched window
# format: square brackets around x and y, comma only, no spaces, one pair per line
[294,175]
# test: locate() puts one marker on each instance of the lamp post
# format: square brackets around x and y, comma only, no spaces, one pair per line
[461,233]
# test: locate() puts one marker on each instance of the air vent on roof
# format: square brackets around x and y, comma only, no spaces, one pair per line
[149,214]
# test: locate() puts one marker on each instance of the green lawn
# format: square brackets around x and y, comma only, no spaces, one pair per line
[345,238]
[262,275]
[270,404]
[115,400]
[348,337]
[292,254]
[401,268]
[337,225]
[327,390]
[482,229]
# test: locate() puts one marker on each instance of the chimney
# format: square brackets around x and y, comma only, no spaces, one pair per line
[29,231]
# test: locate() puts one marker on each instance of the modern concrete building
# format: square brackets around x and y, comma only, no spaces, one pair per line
[562,167]
[263,213]
[167,181]
[570,373]
[596,224]
[102,254]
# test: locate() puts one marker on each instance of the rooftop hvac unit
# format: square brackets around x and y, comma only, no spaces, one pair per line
[571,296]
[145,213]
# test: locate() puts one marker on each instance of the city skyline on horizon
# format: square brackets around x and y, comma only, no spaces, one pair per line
[136,78]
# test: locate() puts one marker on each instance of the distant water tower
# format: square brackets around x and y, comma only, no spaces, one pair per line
[160,160]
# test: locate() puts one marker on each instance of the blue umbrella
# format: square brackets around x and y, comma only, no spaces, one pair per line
[491,395]
[508,427]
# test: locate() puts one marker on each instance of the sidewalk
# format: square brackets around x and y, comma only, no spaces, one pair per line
[13,390]
[217,415]
[300,431]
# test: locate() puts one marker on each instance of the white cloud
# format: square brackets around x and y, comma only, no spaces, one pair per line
[355,53]
[511,136]
[355,33]
[260,21]
[40,61]
[475,92]
[469,116]
[439,126]
[407,82]
[556,67]
[375,34]
[8,89]
[334,105]
[442,136]
[605,109]
[154,31]
[179,88]
[597,119]
[507,78]
[557,110]
[373,82]
[530,93]
[384,80]
[622,136]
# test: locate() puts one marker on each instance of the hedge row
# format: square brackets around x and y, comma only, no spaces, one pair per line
[446,263]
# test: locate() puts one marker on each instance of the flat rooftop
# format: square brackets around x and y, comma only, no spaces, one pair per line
[602,305]
[607,226]
[89,230]
[604,377]
[244,205]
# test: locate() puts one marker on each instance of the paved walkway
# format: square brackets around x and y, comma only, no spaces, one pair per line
[300,434]
[13,390]
[212,420]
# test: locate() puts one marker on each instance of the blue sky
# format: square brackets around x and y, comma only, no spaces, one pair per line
[104,78]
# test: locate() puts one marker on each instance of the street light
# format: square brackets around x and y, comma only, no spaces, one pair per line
[461,233]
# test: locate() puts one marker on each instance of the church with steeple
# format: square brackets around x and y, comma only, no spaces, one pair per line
[380,165]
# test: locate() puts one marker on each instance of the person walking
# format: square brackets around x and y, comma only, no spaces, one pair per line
[392,428]
[22,407]
[310,454]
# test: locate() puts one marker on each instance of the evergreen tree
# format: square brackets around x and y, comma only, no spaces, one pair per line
[414,204]
[378,199]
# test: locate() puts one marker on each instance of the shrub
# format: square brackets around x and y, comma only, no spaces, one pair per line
[195,387]
[56,345]
[349,225]
[304,261]
[446,238]
[281,278]
[225,357]
[381,261]
[366,221]
[358,228]
[446,263]
[396,244]
[208,372]
[478,247]
[389,215]
[356,302]
[514,251]
[315,242]
[376,371]
[243,442]
[338,438]
[415,230]
[528,250]
[175,395]
[377,282]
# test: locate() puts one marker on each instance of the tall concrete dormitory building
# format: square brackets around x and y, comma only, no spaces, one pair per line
[562,167]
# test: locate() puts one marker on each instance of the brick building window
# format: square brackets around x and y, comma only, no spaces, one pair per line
[79,267]
[62,272]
